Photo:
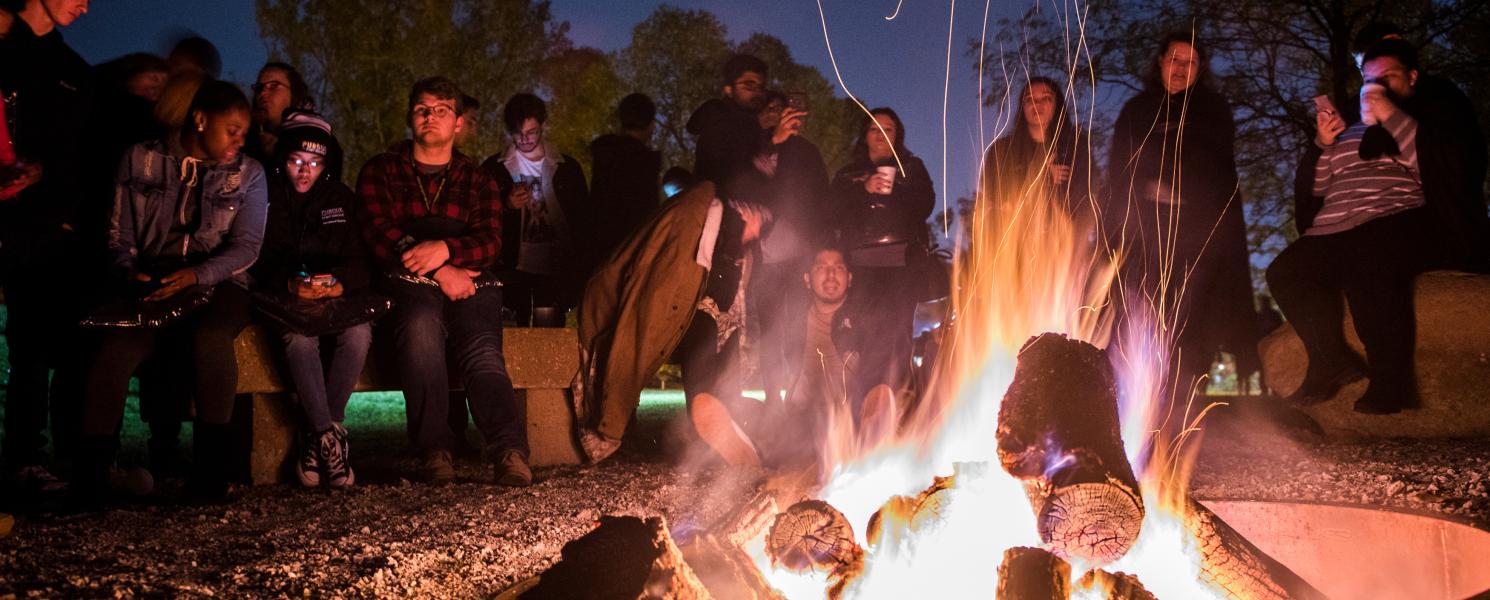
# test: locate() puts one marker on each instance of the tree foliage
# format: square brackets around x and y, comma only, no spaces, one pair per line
[361,56]
[1270,58]
[583,89]
[674,57]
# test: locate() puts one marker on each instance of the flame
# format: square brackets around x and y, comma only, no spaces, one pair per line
[1032,266]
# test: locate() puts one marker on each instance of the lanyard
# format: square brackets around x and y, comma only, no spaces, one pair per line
[429,203]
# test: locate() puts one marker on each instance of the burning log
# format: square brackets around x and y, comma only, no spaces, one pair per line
[900,515]
[1033,574]
[1058,431]
[625,557]
[812,535]
[1119,586]
[1231,563]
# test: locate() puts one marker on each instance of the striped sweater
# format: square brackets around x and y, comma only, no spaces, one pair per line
[1357,190]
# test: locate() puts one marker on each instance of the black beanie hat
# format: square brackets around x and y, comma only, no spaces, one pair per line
[305,131]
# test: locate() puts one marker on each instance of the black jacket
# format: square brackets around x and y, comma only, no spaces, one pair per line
[866,219]
[47,88]
[728,140]
[317,232]
[624,189]
[855,338]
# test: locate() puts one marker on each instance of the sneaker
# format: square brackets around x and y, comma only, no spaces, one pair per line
[334,454]
[511,469]
[596,446]
[308,468]
[37,478]
[437,468]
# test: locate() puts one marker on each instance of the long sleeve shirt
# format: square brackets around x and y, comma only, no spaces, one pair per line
[390,189]
[1357,190]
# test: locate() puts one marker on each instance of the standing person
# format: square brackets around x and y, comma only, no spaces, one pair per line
[313,251]
[1173,206]
[1043,157]
[624,186]
[728,133]
[882,210]
[279,88]
[188,217]
[434,224]
[471,119]
[547,202]
[46,89]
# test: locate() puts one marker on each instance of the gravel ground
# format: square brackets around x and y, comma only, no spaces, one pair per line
[389,538]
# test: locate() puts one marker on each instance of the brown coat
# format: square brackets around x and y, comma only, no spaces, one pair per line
[636,308]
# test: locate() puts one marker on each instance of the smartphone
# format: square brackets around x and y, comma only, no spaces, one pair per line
[797,101]
[1323,104]
[326,280]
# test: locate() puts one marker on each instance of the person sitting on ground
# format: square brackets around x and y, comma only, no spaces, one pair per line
[313,250]
[188,217]
[546,215]
[434,224]
[1369,238]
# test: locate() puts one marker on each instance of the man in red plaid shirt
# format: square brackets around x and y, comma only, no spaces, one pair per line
[434,223]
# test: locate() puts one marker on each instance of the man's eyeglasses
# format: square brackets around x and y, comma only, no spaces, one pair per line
[267,85]
[302,163]
[750,85]
[438,112]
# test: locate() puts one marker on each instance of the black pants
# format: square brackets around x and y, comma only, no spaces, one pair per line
[1373,266]
[522,292]
[213,370]
[435,336]
[41,334]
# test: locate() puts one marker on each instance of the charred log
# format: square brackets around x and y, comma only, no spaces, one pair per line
[625,557]
[1058,431]
[1119,586]
[726,570]
[1231,563]
[1033,574]
[812,535]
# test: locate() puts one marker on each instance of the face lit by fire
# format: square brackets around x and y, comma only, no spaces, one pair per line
[434,120]
[770,116]
[271,97]
[1391,73]
[829,278]
[304,168]
[1038,105]
[64,12]
[1179,67]
[881,144]
[221,135]
[529,136]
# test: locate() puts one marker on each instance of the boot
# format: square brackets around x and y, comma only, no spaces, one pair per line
[209,470]
[90,490]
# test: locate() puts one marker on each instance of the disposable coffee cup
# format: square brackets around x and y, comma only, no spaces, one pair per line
[1370,93]
[887,172]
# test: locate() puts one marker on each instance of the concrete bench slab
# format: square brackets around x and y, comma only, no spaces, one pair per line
[541,361]
[1452,366]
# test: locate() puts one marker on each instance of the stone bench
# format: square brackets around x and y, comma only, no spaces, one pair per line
[1452,366]
[542,363]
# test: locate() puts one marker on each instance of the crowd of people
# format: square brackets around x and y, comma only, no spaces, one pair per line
[149,212]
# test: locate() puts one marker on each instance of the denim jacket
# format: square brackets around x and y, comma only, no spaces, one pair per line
[232,210]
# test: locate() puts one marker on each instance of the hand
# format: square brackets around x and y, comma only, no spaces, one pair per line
[305,290]
[755,218]
[1328,126]
[1060,173]
[456,283]
[426,256]
[521,195]
[334,291]
[880,184]
[172,284]
[789,125]
[1376,106]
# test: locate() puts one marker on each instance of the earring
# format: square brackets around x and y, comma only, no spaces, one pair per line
[201,128]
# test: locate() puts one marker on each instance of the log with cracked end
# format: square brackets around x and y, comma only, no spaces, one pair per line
[1033,574]
[1058,432]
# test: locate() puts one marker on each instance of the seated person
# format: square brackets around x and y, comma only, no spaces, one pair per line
[313,252]
[187,221]
[836,378]
[1368,239]
[434,224]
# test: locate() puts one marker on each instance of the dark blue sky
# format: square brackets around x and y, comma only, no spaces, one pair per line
[899,63]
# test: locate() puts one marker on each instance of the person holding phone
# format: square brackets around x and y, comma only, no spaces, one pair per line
[313,253]
[187,219]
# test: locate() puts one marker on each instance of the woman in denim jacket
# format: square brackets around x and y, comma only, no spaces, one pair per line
[188,214]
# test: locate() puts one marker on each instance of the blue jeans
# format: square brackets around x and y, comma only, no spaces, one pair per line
[324,393]
[437,337]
